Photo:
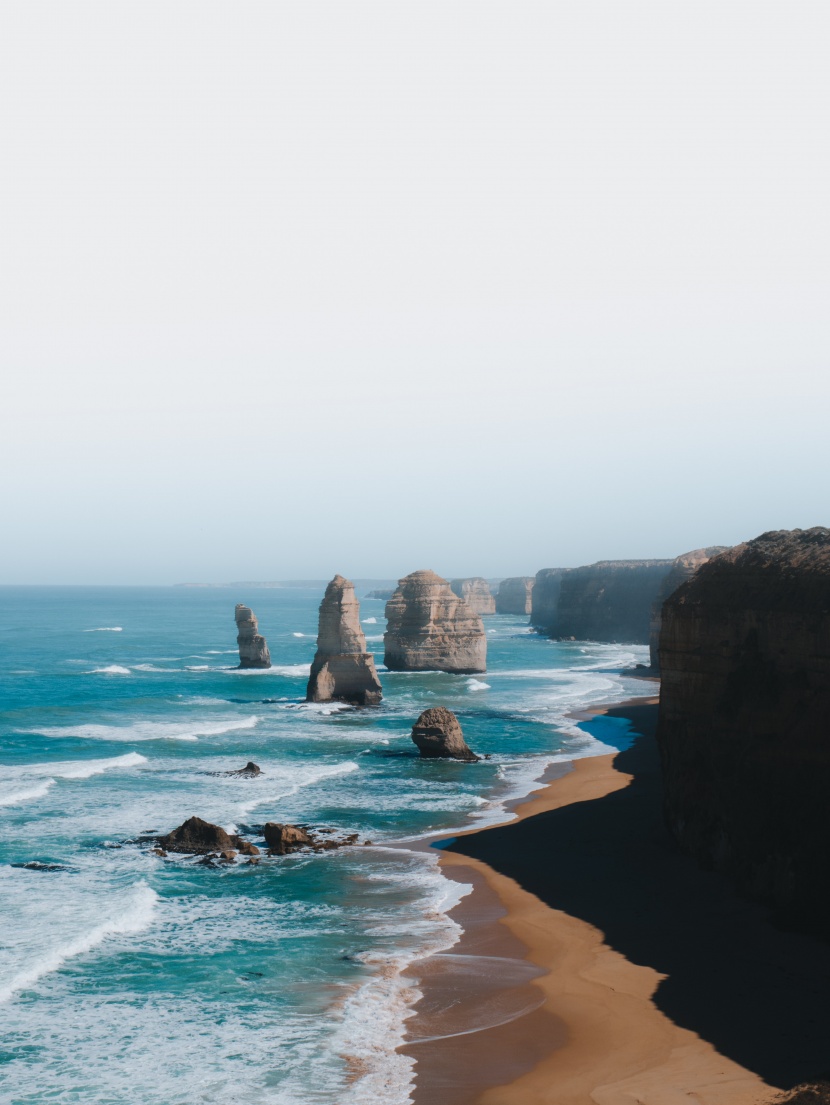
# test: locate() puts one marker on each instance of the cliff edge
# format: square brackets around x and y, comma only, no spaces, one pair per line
[743,725]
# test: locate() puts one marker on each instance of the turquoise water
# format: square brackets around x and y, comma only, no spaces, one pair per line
[126,978]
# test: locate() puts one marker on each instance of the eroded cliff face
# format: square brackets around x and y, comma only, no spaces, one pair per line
[429,628]
[683,568]
[342,668]
[253,649]
[515,595]
[476,593]
[744,728]
[544,600]
[610,600]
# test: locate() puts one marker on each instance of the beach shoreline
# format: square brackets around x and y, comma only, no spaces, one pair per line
[591,1029]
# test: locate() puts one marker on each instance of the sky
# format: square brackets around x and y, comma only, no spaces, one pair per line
[290,289]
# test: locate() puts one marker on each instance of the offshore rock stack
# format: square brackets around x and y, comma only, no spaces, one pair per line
[515,595]
[476,593]
[342,668]
[438,735]
[429,628]
[253,649]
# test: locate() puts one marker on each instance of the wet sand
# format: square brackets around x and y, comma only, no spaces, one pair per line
[657,985]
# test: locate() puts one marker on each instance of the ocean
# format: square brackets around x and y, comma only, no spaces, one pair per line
[129,978]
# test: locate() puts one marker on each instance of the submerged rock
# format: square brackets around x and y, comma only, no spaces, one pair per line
[284,839]
[253,649]
[438,735]
[197,837]
[515,595]
[429,628]
[476,593]
[342,668]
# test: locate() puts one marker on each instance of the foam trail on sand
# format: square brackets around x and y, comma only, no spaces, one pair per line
[134,917]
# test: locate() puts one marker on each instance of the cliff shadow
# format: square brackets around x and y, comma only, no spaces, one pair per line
[758,994]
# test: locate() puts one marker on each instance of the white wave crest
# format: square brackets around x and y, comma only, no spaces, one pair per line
[293,671]
[135,916]
[110,669]
[296,780]
[151,730]
[298,634]
[477,685]
[106,629]
[25,794]
[370,621]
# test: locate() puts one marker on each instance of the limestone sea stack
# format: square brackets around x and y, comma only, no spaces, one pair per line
[476,593]
[438,735]
[683,568]
[743,722]
[342,668]
[253,649]
[429,628]
[515,595]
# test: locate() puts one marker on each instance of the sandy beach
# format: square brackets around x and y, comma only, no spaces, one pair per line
[652,983]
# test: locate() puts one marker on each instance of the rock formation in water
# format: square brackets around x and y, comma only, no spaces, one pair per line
[743,727]
[253,650]
[438,735]
[683,568]
[342,668]
[476,593]
[381,593]
[284,839]
[197,837]
[544,599]
[429,628]
[515,595]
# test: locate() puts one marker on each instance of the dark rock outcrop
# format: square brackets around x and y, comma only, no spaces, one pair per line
[515,595]
[381,593]
[196,837]
[438,735]
[544,600]
[476,593]
[683,568]
[429,628]
[743,727]
[342,668]
[284,839]
[253,650]
[249,771]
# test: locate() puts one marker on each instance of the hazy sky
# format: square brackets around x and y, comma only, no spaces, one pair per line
[296,288]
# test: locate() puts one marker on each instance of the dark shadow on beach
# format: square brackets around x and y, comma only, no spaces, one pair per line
[758,994]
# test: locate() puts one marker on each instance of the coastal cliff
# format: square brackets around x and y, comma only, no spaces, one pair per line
[610,600]
[515,595]
[342,668]
[429,628]
[683,568]
[253,649]
[476,593]
[744,708]
[544,599]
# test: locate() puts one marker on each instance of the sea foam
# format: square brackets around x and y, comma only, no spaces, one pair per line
[135,915]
